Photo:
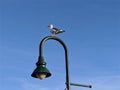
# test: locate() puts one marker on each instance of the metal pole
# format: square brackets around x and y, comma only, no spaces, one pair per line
[82,85]
[66,56]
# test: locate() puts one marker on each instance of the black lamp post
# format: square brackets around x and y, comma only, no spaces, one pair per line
[42,72]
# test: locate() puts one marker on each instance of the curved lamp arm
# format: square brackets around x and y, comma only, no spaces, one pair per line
[42,72]
[66,56]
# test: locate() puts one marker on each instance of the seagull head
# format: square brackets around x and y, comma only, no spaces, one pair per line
[50,26]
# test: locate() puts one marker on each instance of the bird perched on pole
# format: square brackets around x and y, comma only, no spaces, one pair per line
[55,31]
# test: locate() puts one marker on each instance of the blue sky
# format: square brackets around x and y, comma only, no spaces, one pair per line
[92,37]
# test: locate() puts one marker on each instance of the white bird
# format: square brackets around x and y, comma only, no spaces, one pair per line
[55,31]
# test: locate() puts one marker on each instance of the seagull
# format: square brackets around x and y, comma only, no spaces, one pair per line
[55,31]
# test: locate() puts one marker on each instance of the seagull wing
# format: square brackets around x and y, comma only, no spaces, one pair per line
[56,29]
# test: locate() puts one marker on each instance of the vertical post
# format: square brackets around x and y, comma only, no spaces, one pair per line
[66,56]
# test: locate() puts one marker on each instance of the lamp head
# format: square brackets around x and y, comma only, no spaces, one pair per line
[41,71]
